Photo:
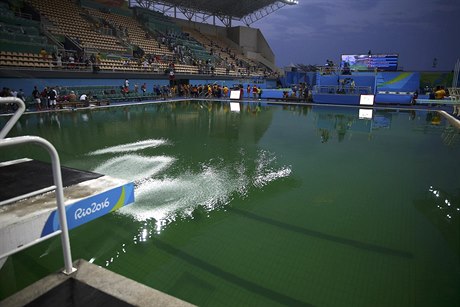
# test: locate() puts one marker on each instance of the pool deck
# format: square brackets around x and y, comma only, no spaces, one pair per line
[90,285]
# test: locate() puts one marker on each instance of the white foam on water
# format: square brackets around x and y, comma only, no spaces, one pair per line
[271,175]
[264,171]
[131,147]
[166,199]
[134,167]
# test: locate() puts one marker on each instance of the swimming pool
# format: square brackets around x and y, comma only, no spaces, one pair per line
[267,206]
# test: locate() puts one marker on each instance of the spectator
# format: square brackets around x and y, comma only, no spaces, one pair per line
[43,54]
[259,92]
[36,98]
[20,95]
[72,97]
[52,96]
[44,97]
[440,93]
[59,60]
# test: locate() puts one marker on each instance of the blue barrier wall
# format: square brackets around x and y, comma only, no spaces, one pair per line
[334,80]
[396,87]
[398,81]
[27,84]
[295,77]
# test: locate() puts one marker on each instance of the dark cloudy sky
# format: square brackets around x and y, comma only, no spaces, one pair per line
[316,30]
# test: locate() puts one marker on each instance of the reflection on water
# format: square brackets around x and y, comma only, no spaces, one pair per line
[443,211]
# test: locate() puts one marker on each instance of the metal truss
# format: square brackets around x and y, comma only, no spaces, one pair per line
[209,11]
[257,15]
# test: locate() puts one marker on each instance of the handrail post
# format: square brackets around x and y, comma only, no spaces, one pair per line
[10,124]
[57,176]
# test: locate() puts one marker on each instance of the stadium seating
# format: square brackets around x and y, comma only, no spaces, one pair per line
[67,19]
[114,36]
[136,34]
[24,59]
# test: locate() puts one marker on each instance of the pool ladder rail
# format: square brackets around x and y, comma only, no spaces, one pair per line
[57,179]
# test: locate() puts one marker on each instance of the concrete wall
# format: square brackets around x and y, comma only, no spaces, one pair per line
[204,28]
[250,40]
[264,48]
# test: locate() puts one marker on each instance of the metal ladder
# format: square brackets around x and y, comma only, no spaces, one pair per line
[57,178]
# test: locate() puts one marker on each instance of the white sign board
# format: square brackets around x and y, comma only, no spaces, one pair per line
[235,94]
[366,100]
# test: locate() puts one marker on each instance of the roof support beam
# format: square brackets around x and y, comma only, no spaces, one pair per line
[257,15]
[247,12]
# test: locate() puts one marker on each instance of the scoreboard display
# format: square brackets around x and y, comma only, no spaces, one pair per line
[385,62]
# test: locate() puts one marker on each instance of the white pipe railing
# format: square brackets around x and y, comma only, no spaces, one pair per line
[456,74]
[10,124]
[340,90]
[57,178]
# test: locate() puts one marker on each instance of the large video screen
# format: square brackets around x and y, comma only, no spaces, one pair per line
[385,62]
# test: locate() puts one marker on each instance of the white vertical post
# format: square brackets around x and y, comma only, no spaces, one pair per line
[10,124]
[456,74]
[57,176]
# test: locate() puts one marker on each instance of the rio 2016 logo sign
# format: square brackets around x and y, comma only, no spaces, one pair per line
[93,208]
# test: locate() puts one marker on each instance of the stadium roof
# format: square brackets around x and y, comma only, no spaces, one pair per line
[226,10]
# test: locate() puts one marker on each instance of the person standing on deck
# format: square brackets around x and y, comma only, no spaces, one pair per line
[254,92]
[440,93]
[52,96]
[36,97]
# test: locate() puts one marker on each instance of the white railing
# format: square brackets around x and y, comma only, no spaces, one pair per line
[456,74]
[341,90]
[57,178]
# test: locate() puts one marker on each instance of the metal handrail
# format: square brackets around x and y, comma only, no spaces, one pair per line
[10,124]
[57,178]
[339,89]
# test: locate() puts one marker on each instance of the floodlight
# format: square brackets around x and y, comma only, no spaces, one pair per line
[290,2]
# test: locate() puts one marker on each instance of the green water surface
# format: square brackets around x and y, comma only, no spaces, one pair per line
[270,206]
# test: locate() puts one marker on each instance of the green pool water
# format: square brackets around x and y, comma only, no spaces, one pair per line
[269,206]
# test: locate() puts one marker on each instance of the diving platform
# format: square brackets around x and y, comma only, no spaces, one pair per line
[27,217]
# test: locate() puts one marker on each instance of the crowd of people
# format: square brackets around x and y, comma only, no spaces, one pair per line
[298,91]
[72,60]
[46,99]
[51,97]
